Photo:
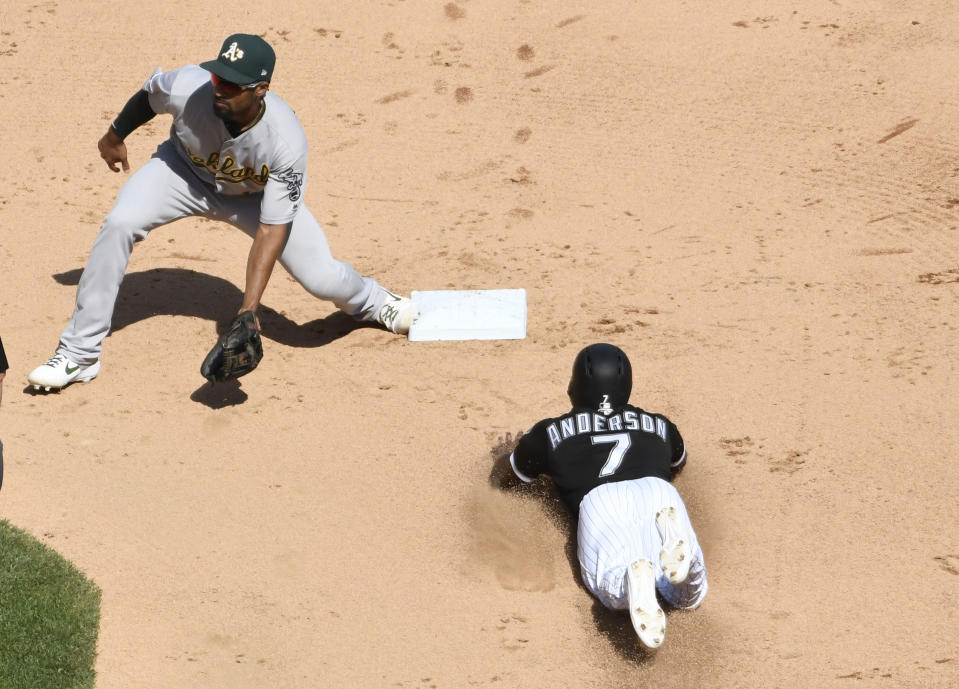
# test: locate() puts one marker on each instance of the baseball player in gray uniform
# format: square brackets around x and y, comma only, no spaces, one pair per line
[612,464]
[236,153]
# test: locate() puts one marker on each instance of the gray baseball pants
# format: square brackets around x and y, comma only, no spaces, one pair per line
[166,189]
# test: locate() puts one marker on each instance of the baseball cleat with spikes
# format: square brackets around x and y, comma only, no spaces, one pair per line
[647,617]
[59,372]
[674,557]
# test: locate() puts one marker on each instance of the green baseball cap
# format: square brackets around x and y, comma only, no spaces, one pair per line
[243,59]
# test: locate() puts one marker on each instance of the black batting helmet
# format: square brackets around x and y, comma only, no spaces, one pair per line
[602,378]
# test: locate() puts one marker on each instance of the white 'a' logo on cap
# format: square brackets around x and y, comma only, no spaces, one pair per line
[233,53]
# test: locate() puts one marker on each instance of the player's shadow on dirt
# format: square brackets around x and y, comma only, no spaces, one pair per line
[612,624]
[182,292]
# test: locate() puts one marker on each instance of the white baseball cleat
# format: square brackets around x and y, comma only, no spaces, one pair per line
[674,557]
[396,314]
[59,372]
[647,617]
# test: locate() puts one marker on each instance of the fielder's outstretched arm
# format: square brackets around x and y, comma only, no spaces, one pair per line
[266,248]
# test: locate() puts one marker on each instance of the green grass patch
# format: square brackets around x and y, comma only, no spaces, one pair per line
[49,617]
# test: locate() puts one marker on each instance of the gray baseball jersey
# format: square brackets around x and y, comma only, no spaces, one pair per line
[269,157]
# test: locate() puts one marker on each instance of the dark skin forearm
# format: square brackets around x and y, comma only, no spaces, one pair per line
[266,248]
[135,113]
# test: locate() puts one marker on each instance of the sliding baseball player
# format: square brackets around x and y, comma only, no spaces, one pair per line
[612,464]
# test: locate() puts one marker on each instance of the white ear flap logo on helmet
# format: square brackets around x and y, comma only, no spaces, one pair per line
[605,407]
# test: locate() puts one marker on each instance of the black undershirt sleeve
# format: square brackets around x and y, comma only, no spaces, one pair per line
[135,113]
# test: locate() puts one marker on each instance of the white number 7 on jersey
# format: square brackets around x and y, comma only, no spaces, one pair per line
[617,452]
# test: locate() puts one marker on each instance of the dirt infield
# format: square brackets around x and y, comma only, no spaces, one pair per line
[757,201]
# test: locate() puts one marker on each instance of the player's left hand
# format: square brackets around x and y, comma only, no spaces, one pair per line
[237,352]
[256,319]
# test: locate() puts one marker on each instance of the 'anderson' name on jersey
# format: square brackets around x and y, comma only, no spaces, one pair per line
[583,449]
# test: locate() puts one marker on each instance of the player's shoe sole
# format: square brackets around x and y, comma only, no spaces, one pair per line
[59,372]
[647,617]
[674,557]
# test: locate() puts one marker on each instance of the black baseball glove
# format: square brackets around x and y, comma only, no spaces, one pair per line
[236,353]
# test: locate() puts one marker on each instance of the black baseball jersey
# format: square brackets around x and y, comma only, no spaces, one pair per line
[583,449]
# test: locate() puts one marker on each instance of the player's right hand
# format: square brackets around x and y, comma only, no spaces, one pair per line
[113,151]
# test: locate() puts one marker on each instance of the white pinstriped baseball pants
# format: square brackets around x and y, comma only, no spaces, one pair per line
[617,525]
[164,190]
